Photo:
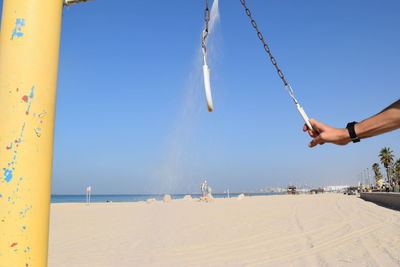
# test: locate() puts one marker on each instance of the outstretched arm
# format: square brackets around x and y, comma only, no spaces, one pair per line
[385,121]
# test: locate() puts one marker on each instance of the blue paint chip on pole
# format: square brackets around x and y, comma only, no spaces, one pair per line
[17,32]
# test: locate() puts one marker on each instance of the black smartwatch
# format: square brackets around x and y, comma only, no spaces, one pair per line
[352,132]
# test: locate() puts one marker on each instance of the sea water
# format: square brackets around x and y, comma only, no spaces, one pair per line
[138,197]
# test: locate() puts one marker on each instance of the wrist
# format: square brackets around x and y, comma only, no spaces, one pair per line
[344,135]
[358,129]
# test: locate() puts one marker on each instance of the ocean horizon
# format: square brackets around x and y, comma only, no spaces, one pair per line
[101,198]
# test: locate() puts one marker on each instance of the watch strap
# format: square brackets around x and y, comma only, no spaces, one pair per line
[352,132]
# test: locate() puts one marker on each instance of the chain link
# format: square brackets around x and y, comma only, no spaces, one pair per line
[266,47]
[205,32]
[273,61]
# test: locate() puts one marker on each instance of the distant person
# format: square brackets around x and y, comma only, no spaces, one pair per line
[209,191]
[385,121]
[203,188]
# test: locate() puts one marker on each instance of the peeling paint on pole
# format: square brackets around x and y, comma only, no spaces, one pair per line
[29,50]
[17,32]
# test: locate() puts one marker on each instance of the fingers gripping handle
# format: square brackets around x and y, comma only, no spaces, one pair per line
[304,116]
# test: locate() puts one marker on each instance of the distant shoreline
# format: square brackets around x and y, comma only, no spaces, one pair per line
[162,194]
[101,198]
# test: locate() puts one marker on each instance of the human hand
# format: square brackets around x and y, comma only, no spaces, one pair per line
[326,134]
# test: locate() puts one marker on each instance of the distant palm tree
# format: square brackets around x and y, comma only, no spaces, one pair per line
[386,156]
[397,171]
[377,172]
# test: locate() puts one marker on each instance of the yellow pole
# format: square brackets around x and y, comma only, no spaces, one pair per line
[29,50]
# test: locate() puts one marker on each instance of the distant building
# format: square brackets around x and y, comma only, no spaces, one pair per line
[317,191]
[336,188]
[291,189]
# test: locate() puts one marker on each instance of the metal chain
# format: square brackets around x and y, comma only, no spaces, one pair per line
[268,50]
[71,2]
[205,32]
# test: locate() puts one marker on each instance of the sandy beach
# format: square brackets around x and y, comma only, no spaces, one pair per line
[302,230]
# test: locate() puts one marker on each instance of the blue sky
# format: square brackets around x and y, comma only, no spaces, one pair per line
[131,115]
